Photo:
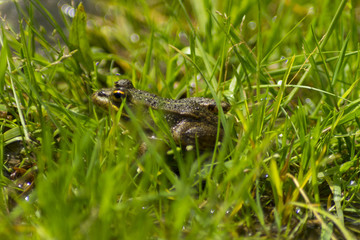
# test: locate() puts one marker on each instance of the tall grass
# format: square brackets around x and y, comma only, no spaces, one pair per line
[288,166]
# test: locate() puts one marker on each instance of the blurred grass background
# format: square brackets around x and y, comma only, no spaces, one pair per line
[288,166]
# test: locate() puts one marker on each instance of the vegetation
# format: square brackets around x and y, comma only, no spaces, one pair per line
[288,166]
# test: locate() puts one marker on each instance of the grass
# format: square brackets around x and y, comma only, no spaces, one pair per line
[288,166]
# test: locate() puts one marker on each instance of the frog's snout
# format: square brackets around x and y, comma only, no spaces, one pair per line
[100,93]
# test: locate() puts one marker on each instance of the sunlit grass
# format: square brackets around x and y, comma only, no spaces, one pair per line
[287,167]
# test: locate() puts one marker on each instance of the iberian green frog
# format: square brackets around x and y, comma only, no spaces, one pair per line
[190,119]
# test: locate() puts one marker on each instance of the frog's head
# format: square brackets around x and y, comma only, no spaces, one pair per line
[111,98]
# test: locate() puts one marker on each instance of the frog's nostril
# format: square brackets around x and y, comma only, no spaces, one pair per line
[101,94]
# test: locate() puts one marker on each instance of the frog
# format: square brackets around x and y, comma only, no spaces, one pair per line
[192,121]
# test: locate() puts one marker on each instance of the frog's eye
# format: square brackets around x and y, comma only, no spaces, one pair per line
[118,95]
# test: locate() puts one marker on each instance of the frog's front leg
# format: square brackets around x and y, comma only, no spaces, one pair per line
[187,133]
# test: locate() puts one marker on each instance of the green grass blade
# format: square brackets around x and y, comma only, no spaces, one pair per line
[340,60]
[277,185]
[280,95]
[3,58]
[259,45]
[335,20]
[327,72]
[79,40]
[147,63]
[348,91]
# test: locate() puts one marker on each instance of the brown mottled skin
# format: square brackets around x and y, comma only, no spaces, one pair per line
[188,118]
